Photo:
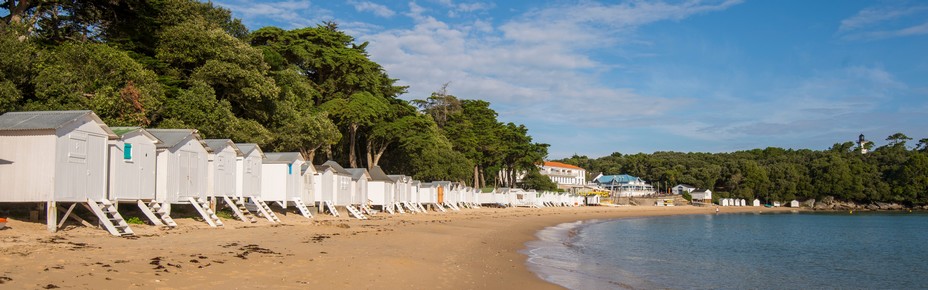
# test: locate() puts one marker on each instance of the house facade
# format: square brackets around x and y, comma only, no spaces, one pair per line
[624,185]
[565,175]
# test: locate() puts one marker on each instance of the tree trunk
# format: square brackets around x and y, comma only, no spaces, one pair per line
[476,183]
[379,154]
[352,135]
[370,155]
[310,155]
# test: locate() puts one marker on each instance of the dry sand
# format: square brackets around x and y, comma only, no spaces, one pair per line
[471,249]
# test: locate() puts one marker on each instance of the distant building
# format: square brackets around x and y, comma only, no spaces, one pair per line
[565,175]
[624,185]
[701,195]
[861,143]
[681,188]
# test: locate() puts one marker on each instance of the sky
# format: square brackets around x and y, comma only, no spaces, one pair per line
[596,77]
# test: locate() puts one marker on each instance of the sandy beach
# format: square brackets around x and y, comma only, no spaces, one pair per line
[471,249]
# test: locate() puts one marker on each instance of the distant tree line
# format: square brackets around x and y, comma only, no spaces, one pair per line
[188,64]
[895,172]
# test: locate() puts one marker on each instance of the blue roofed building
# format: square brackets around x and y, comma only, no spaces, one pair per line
[624,185]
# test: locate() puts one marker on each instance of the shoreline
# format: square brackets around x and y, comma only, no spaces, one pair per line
[474,248]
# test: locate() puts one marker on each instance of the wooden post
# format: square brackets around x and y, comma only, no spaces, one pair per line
[51,216]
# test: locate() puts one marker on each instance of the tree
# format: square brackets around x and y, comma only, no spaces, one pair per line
[897,139]
[535,180]
[360,110]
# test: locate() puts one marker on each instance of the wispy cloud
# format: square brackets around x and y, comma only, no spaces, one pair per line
[875,23]
[377,9]
[287,14]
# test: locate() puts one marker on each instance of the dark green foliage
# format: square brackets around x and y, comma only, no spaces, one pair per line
[189,64]
[891,173]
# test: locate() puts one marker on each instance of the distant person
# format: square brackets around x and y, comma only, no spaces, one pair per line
[716,209]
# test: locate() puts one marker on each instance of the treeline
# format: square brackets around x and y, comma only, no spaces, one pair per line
[895,172]
[187,64]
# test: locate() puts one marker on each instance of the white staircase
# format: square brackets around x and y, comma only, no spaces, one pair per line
[410,207]
[421,208]
[202,206]
[240,210]
[265,210]
[110,218]
[331,207]
[399,207]
[357,214]
[439,207]
[389,209]
[452,206]
[302,207]
[367,210]
[156,213]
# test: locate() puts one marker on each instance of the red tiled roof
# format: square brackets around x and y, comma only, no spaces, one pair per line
[561,165]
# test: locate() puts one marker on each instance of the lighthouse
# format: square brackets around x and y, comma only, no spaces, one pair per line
[860,144]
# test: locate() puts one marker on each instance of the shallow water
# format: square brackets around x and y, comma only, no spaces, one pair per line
[737,251]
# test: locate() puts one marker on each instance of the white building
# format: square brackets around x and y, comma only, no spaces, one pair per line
[565,175]
[681,188]
[702,195]
[624,185]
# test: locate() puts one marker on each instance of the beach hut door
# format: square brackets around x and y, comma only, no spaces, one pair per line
[441,195]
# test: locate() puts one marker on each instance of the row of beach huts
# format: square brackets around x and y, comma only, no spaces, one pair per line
[66,159]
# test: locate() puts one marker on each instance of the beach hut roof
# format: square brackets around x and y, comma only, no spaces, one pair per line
[247,148]
[357,173]
[219,144]
[399,177]
[308,167]
[282,157]
[171,137]
[48,120]
[122,131]
[377,174]
[334,166]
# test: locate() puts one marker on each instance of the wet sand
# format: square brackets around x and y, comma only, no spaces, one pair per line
[470,249]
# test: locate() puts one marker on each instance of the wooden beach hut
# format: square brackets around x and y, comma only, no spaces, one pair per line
[248,170]
[401,195]
[794,203]
[282,181]
[360,178]
[756,202]
[132,164]
[382,190]
[334,186]
[57,158]
[223,184]
[182,170]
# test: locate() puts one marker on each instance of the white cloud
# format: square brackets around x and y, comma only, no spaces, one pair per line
[290,14]
[876,23]
[377,9]
[875,15]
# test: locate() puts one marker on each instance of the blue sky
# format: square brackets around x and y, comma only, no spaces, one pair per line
[596,77]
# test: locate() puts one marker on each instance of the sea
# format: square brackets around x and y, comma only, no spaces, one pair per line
[737,251]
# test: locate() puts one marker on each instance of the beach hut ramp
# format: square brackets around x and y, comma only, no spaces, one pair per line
[57,157]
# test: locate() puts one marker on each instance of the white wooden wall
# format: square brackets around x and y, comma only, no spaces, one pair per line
[222,172]
[132,179]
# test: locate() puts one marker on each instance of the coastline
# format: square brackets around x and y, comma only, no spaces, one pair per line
[474,248]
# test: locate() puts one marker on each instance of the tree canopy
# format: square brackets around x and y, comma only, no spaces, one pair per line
[190,64]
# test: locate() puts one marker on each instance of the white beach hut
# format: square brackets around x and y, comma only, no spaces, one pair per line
[360,178]
[282,180]
[223,176]
[56,157]
[756,202]
[248,170]
[382,190]
[182,170]
[334,184]
[132,178]
[743,202]
[794,203]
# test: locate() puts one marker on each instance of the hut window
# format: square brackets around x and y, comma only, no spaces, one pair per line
[127,152]
[290,168]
